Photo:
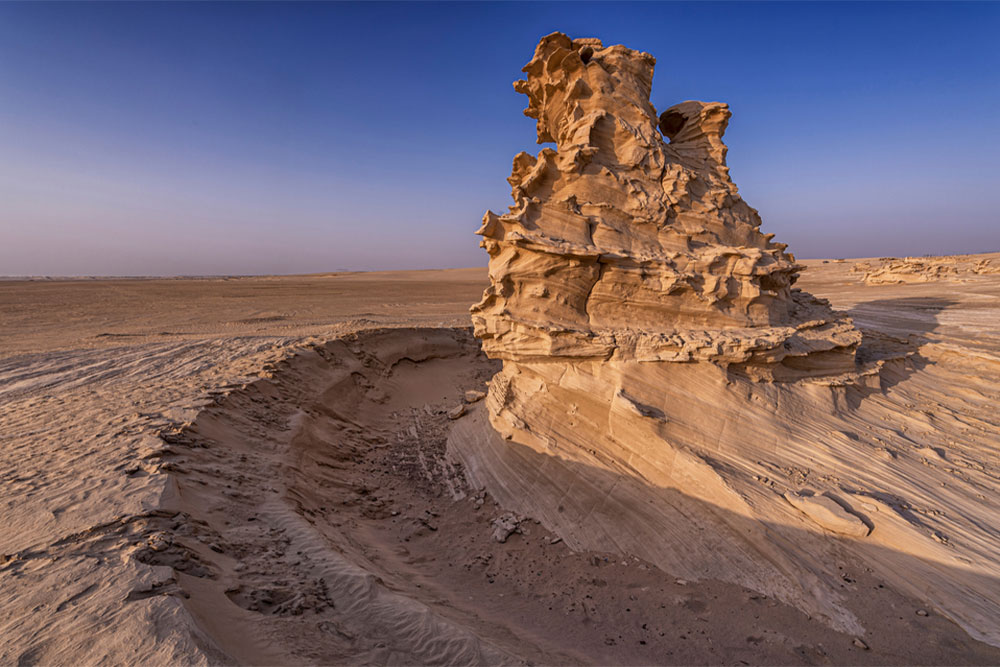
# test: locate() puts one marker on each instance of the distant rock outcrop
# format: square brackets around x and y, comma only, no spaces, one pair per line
[896,271]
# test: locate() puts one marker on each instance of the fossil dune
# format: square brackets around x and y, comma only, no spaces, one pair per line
[695,408]
[663,440]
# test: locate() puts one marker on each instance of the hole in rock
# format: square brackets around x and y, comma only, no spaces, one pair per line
[671,123]
[586,53]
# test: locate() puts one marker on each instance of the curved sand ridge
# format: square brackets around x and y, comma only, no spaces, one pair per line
[666,392]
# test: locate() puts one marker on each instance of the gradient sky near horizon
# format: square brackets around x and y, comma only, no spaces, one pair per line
[202,138]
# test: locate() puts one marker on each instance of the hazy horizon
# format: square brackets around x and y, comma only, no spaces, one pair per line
[250,139]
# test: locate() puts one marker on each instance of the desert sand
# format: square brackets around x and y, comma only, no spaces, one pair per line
[253,470]
[658,439]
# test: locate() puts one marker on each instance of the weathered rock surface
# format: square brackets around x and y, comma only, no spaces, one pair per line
[665,389]
[622,247]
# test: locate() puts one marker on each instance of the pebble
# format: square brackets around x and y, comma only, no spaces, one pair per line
[861,645]
[456,412]
[472,396]
[921,612]
[506,525]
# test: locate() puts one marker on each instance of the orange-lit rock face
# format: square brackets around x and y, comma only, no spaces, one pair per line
[620,245]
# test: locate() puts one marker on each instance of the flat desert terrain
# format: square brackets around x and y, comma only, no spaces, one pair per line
[256,470]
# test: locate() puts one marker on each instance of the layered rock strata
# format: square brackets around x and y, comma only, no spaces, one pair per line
[620,246]
[665,389]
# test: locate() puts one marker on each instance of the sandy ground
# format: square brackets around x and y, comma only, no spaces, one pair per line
[253,470]
[48,315]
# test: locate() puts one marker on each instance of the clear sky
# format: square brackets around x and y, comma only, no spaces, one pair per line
[140,138]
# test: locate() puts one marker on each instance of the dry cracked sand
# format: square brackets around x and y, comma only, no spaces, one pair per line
[254,470]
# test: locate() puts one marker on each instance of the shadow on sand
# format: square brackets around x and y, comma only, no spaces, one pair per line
[597,509]
[892,332]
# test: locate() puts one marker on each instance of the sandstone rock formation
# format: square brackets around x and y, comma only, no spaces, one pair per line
[894,271]
[622,247]
[665,389]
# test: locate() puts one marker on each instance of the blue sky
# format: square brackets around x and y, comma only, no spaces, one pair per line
[199,138]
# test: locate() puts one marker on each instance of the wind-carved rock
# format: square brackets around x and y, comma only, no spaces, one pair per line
[620,246]
[665,389]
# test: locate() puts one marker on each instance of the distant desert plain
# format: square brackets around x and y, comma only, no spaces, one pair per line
[257,470]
